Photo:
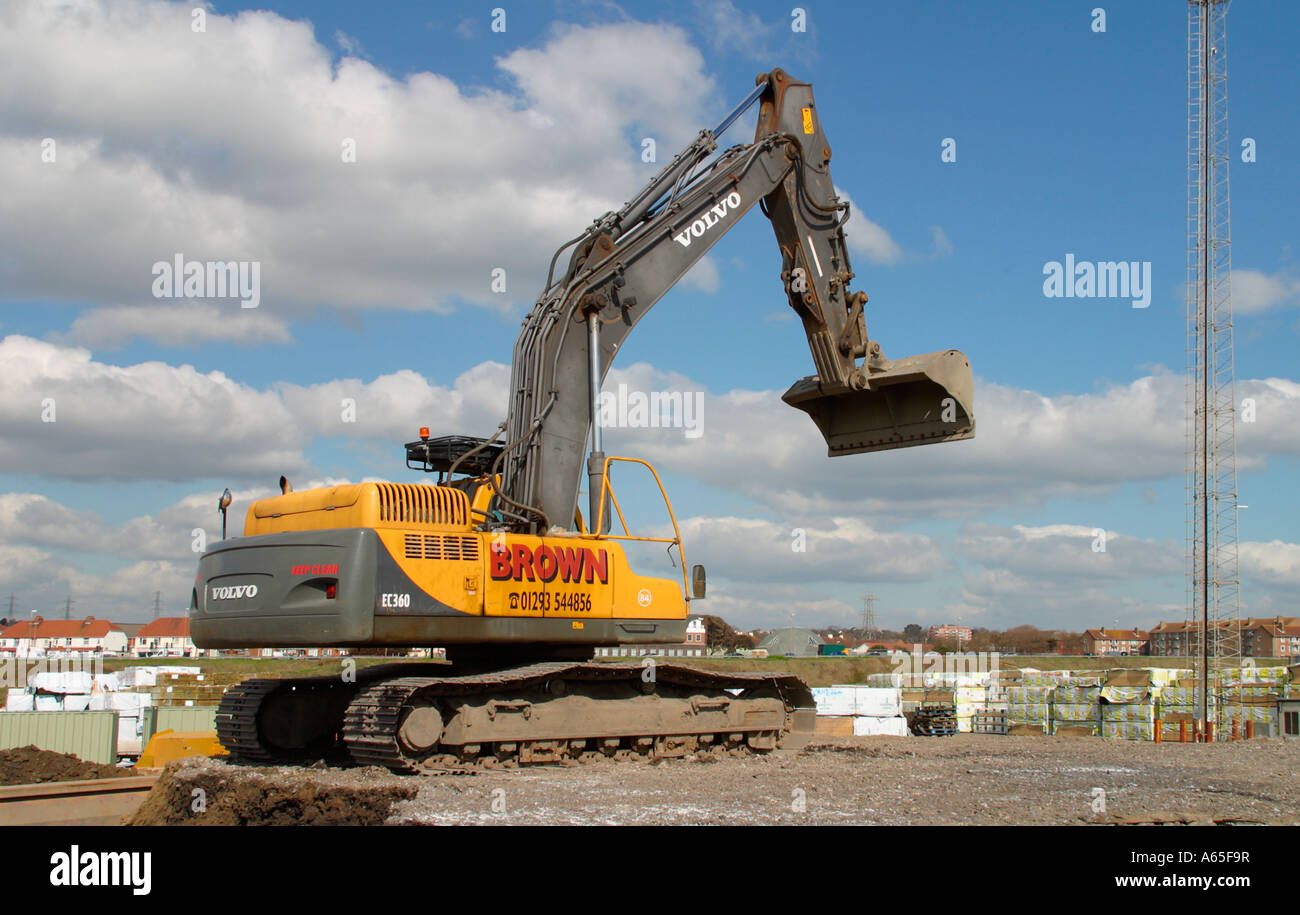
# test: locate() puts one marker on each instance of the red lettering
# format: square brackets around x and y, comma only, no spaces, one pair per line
[324,569]
[594,565]
[523,563]
[569,563]
[515,561]
[546,563]
[499,565]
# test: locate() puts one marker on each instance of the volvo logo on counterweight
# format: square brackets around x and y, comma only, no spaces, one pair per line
[232,592]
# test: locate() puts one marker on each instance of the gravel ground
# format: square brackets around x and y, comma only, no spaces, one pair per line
[962,780]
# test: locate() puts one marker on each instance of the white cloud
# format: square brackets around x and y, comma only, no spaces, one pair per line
[1254,291]
[804,550]
[42,582]
[1273,563]
[942,244]
[182,324]
[1060,555]
[393,407]
[763,605]
[227,145]
[148,421]
[1028,448]
[732,31]
[349,44]
[157,421]
[867,238]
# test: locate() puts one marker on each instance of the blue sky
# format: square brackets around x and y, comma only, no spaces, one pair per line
[1068,140]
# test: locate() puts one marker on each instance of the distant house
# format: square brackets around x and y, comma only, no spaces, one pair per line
[1278,637]
[1115,642]
[792,643]
[168,636]
[1272,639]
[39,637]
[1172,639]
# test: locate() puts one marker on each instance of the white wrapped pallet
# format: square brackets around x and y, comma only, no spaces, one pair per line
[48,704]
[852,699]
[877,701]
[135,677]
[128,703]
[76,703]
[18,701]
[835,700]
[870,726]
[62,681]
[107,683]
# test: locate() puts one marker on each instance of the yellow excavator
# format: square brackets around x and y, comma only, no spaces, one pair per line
[497,562]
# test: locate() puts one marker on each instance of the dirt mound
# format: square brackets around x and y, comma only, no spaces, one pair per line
[198,791]
[29,765]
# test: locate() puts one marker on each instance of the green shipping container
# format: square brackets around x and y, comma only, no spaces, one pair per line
[91,736]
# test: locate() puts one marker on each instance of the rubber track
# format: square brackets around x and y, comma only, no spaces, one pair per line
[371,721]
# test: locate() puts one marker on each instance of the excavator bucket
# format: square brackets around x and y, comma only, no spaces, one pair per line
[920,400]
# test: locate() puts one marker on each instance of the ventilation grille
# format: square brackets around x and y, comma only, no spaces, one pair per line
[405,503]
[431,546]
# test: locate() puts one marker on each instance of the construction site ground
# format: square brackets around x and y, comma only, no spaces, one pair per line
[960,780]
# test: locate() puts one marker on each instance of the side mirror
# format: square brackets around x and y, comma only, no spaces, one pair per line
[697,581]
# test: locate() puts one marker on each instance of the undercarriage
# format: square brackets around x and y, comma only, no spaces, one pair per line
[411,717]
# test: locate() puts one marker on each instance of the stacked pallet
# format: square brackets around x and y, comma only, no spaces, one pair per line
[1129,712]
[861,711]
[1251,694]
[1180,707]
[190,688]
[1029,709]
[967,702]
[1076,709]
[995,690]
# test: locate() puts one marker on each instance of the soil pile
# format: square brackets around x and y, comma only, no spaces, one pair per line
[198,791]
[31,765]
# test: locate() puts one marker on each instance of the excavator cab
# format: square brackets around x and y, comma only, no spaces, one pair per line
[919,400]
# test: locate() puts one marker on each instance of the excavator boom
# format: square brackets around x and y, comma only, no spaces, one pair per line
[625,262]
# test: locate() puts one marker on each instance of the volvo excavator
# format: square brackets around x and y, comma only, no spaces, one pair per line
[497,562]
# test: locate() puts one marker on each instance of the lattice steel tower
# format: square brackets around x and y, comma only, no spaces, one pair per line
[1214,636]
[869,627]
